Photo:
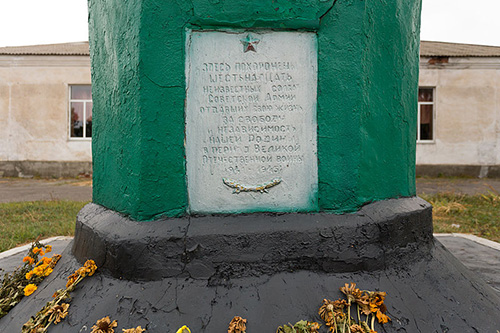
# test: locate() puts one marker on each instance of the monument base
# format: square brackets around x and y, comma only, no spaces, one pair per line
[268,268]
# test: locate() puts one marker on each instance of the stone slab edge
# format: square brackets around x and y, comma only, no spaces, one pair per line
[25,248]
[476,239]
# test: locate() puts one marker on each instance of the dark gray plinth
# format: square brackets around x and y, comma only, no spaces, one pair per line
[270,269]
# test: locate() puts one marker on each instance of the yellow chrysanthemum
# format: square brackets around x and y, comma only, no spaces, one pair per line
[48,248]
[46,260]
[29,275]
[40,270]
[183,329]
[29,289]
[47,271]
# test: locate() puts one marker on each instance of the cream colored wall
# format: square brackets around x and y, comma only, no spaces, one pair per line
[467,112]
[34,108]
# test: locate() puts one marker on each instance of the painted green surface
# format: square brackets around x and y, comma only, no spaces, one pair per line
[367,84]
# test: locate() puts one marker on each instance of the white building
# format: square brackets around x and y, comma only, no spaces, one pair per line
[39,87]
[459,110]
[46,110]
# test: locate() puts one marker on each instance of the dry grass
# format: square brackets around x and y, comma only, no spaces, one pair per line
[472,214]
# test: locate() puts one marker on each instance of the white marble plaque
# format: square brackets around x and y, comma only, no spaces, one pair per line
[251,121]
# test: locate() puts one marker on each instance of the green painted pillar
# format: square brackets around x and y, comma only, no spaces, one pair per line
[367,54]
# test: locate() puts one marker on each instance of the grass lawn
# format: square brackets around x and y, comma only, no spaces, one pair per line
[23,222]
[470,214]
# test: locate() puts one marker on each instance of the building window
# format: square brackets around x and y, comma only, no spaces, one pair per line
[425,130]
[80,111]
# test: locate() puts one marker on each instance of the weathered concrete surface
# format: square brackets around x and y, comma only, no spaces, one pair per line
[479,255]
[218,247]
[428,290]
[18,189]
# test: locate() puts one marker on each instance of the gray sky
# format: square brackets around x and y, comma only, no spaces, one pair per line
[29,22]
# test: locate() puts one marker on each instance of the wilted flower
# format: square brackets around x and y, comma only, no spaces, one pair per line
[313,327]
[138,329]
[351,292]
[58,312]
[71,279]
[104,325]
[357,329]
[332,312]
[237,325]
[29,289]
[382,318]
[54,260]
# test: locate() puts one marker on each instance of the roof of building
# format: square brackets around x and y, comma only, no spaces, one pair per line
[427,49]
[70,49]
[442,49]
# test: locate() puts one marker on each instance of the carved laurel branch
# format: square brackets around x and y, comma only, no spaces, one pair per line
[243,188]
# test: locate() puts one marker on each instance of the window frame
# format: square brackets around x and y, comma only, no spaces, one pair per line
[433,103]
[85,101]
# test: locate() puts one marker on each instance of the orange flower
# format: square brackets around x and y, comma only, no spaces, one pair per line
[48,248]
[37,250]
[29,260]
[90,267]
[45,260]
[29,289]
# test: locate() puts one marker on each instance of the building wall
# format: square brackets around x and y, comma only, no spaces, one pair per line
[34,124]
[467,113]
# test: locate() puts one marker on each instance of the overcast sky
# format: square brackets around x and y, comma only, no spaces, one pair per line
[29,22]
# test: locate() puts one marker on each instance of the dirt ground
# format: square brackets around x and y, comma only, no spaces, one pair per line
[458,185]
[19,189]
